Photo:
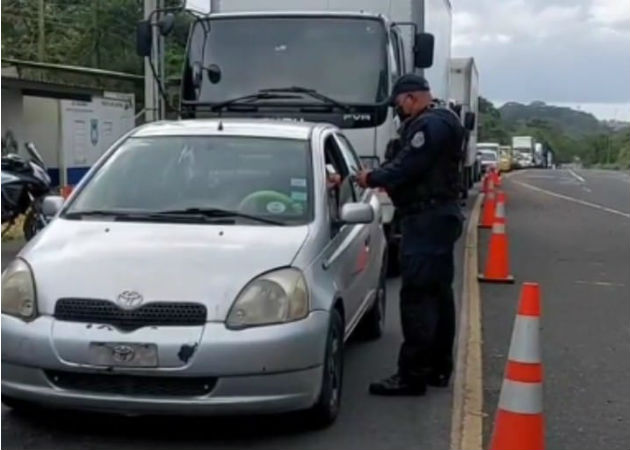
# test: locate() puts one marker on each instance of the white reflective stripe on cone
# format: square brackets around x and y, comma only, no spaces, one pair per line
[500,212]
[498,228]
[521,398]
[525,347]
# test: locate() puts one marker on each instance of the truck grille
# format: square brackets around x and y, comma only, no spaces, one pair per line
[131,384]
[150,314]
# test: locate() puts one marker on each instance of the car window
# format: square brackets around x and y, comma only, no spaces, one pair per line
[353,161]
[236,173]
[344,192]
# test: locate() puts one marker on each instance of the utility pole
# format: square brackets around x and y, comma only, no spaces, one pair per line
[41,39]
[151,94]
[96,54]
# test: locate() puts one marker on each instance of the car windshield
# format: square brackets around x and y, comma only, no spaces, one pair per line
[260,177]
[487,155]
[343,58]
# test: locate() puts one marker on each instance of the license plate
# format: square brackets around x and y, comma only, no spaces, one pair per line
[123,354]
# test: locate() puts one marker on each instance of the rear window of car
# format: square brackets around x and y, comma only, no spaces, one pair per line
[268,177]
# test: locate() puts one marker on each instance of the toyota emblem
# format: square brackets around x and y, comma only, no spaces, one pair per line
[130,299]
[123,353]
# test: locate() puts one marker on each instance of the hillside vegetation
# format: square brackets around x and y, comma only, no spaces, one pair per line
[569,133]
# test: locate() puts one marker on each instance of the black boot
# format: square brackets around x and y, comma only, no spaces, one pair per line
[397,385]
[438,379]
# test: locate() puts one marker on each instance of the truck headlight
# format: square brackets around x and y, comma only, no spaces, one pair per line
[275,297]
[18,291]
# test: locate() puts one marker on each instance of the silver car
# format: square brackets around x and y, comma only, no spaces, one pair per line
[201,267]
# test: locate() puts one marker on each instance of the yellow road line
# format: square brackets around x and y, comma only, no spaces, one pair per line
[467,418]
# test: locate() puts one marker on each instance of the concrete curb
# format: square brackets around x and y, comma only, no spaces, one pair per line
[467,418]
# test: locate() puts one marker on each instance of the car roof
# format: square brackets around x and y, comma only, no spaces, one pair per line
[284,129]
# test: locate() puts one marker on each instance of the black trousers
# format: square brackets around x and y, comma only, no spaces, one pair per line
[427,303]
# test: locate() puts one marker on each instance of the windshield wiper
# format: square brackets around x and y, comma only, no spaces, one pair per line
[248,99]
[309,92]
[216,213]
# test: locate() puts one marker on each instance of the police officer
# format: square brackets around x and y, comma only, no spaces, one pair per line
[422,180]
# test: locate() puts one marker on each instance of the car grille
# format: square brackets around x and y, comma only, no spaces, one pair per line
[132,384]
[150,314]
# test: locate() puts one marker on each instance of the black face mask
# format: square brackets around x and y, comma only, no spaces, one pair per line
[402,115]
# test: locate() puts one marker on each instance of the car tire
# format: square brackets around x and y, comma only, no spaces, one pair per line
[19,406]
[325,410]
[373,323]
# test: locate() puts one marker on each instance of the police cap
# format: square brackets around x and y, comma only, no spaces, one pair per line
[408,83]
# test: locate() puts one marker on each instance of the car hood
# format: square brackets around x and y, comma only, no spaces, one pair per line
[208,264]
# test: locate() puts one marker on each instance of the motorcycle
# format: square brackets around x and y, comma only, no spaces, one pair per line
[25,184]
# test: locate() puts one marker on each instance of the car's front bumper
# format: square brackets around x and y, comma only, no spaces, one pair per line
[258,370]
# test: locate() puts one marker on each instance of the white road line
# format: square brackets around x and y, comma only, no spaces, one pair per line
[575,200]
[577,177]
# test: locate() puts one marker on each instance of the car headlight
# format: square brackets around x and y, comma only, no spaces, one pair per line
[275,297]
[18,291]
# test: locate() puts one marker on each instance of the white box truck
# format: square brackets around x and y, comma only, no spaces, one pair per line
[523,151]
[464,91]
[343,55]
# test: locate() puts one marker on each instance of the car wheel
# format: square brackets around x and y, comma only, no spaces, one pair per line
[19,406]
[373,323]
[325,411]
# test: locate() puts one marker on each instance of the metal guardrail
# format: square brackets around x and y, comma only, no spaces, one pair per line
[74,69]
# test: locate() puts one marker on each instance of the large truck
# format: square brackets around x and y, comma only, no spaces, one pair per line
[464,91]
[523,151]
[319,60]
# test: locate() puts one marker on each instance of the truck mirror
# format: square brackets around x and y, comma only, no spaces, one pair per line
[469,121]
[166,24]
[214,73]
[423,50]
[144,40]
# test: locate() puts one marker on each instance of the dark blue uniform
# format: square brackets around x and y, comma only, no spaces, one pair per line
[422,180]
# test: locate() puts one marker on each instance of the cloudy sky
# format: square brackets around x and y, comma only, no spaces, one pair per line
[573,52]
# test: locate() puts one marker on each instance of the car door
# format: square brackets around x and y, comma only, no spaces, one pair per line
[371,235]
[347,253]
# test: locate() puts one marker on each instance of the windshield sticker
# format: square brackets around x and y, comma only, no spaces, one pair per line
[299,196]
[276,207]
[298,182]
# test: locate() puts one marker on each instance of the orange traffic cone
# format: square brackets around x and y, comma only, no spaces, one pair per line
[519,422]
[489,205]
[484,186]
[497,263]
[496,177]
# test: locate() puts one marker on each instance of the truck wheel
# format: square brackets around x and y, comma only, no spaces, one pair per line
[393,259]
[325,411]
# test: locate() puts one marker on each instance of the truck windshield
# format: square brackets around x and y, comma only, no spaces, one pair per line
[343,58]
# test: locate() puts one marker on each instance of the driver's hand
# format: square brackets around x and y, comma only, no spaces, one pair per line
[333,181]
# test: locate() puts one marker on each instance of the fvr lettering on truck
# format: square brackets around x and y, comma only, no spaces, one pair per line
[349,50]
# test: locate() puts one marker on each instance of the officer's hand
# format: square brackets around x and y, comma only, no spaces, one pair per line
[362,178]
[333,180]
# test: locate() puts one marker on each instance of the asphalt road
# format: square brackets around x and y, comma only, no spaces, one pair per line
[578,249]
[365,422]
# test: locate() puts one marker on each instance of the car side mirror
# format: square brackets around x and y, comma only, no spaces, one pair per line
[144,38]
[356,213]
[51,205]
[423,50]
[469,121]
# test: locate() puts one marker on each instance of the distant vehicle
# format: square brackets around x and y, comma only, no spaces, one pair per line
[464,91]
[505,158]
[523,151]
[25,183]
[190,272]
[489,156]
